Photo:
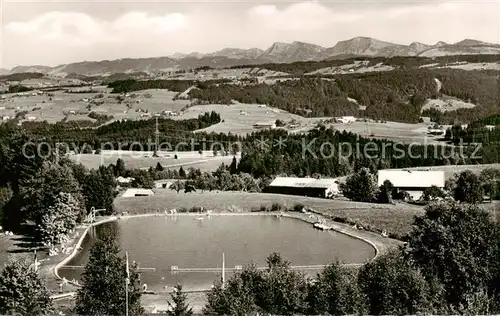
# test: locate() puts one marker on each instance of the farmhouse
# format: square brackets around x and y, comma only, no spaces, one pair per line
[304,186]
[166,183]
[122,180]
[261,125]
[412,181]
[346,119]
[138,192]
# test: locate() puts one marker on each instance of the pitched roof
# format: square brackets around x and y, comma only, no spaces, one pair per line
[303,182]
[412,178]
[134,192]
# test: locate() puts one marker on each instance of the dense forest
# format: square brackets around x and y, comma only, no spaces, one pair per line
[485,131]
[21,76]
[333,153]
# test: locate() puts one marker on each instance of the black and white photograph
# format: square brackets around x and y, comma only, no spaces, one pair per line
[247,158]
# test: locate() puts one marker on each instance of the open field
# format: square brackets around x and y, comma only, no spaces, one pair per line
[357,66]
[469,66]
[239,118]
[55,106]
[238,73]
[395,131]
[47,108]
[205,162]
[153,101]
[447,103]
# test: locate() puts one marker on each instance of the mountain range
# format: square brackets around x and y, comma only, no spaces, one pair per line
[277,53]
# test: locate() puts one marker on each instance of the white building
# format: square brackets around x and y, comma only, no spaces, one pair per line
[262,125]
[412,181]
[166,183]
[346,119]
[137,192]
[304,186]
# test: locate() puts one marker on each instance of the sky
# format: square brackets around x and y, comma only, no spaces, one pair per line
[54,32]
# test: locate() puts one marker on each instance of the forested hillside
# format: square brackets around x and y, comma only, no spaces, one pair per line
[303,67]
[395,96]
[485,131]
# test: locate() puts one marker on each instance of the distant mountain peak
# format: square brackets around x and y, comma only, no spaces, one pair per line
[290,52]
[440,43]
[277,52]
[471,42]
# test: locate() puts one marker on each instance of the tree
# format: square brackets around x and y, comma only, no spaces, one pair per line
[395,286]
[432,193]
[102,292]
[179,305]
[235,298]
[22,291]
[457,244]
[360,186]
[385,192]
[279,123]
[278,290]
[335,292]
[177,186]
[233,168]
[120,169]
[59,219]
[490,179]
[159,167]
[5,196]
[143,179]
[42,190]
[282,291]
[182,173]
[99,189]
[468,188]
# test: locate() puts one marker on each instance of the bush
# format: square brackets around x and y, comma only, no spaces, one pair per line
[432,193]
[277,207]
[298,207]
[196,209]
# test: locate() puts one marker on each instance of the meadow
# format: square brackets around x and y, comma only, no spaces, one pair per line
[450,170]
